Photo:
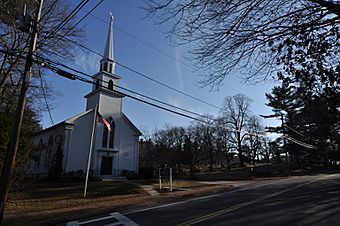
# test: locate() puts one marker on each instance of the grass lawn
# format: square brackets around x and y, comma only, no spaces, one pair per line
[47,203]
[44,196]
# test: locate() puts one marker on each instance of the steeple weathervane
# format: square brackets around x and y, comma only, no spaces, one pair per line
[112,17]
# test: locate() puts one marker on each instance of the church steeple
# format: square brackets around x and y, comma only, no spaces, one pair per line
[107,63]
[106,81]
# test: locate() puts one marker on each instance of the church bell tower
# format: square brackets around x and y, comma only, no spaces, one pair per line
[104,90]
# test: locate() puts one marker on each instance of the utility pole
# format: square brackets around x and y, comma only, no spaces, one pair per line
[13,147]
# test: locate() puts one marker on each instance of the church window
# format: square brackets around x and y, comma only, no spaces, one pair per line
[110,68]
[110,85]
[105,66]
[112,134]
[105,133]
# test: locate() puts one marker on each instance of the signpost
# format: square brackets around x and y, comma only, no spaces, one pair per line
[163,175]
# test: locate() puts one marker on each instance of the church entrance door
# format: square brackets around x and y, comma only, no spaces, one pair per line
[106,166]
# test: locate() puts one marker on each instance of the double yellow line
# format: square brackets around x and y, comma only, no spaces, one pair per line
[241,205]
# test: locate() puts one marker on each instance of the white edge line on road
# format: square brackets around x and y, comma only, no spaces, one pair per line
[95,220]
[205,197]
[244,204]
[123,219]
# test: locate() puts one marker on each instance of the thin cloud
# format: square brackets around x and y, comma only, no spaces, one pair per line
[87,62]
[178,68]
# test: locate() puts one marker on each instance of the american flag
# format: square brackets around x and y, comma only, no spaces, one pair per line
[101,119]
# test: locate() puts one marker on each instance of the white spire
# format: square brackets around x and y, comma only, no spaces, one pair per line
[108,51]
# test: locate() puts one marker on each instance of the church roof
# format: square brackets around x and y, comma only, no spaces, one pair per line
[69,121]
[74,118]
[106,91]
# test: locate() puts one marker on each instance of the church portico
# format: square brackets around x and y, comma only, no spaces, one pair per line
[114,145]
[107,163]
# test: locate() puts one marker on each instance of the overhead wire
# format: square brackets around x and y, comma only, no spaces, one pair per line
[137,39]
[126,89]
[66,20]
[88,13]
[149,45]
[145,76]
[309,146]
[297,132]
[75,77]
[47,63]
[80,7]
[45,96]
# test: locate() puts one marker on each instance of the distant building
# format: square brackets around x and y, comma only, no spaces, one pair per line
[112,151]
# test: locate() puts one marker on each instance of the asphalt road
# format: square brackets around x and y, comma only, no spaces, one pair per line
[307,200]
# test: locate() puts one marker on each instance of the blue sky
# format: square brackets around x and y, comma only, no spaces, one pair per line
[129,17]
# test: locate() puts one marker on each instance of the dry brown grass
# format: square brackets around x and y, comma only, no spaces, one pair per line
[53,203]
[45,196]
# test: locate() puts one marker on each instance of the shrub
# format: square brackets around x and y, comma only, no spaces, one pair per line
[130,175]
[124,173]
[146,173]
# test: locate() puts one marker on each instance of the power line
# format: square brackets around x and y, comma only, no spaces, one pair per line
[149,45]
[295,131]
[138,39]
[45,97]
[146,76]
[76,77]
[126,89]
[66,19]
[300,142]
[89,12]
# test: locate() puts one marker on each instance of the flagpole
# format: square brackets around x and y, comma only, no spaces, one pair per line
[90,151]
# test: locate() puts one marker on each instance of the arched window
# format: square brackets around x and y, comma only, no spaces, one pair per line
[101,67]
[110,68]
[97,84]
[49,156]
[105,66]
[110,85]
[112,134]
[105,133]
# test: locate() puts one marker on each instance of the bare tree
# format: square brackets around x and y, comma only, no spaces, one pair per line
[265,150]
[227,35]
[207,130]
[193,151]
[254,129]
[222,139]
[14,40]
[235,111]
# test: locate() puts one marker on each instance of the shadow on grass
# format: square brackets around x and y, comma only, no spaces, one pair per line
[45,195]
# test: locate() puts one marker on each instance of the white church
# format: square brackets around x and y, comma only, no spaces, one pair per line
[111,152]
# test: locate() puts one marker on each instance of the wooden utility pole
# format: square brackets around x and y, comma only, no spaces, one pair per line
[13,147]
